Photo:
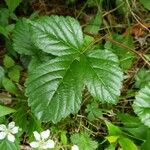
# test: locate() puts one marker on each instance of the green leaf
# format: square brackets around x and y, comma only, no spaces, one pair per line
[122,7]
[26,121]
[9,86]
[112,138]
[12,4]
[10,27]
[142,78]
[125,56]
[8,61]
[111,147]
[57,35]
[37,60]
[4,17]
[112,129]
[128,120]
[141,105]
[93,111]
[20,116]
[127,144]
[145,3]
[145,145]
[103,76]
[84,141]
[14,73]
[140,132]
[133,126]
[92,3]
[22,38]
[63,137]
[2,73]
[94,24]
[3,31]
[55,88]
[6,145]
[5,110]
[33,125]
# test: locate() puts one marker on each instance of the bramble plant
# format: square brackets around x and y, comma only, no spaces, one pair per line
[68,86]
[54,88]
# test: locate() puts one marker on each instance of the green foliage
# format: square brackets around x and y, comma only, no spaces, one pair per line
[22,38]
[9,86]
[12,5]
[93,111]
[2,73]
[127,144]
[145,145]
[103,82]
[92,3]
[142,78]
[133,126]
[4,16]
[94,24]
[112,129]
[8,61]
[69,71]
[63,137]
[57,35]
[14,73]
[3,31]
[26,120]
[141,105]
[125,56]
[6,145]
[60,68]
[5,110]
[122,8]
[84,141]
[117,136]
[145,3]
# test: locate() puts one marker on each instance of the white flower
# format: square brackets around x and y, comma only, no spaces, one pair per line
[42,140]
[8,131]
[74,147]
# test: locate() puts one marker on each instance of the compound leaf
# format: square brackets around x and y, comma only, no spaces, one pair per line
[55,87]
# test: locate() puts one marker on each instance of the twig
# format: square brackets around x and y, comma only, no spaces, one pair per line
[136,17]
[135,52]
[117,43]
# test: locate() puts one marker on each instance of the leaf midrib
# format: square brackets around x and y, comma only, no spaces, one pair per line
[104,85]
[54,37]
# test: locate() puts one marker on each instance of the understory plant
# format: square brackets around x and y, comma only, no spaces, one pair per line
[66,87]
